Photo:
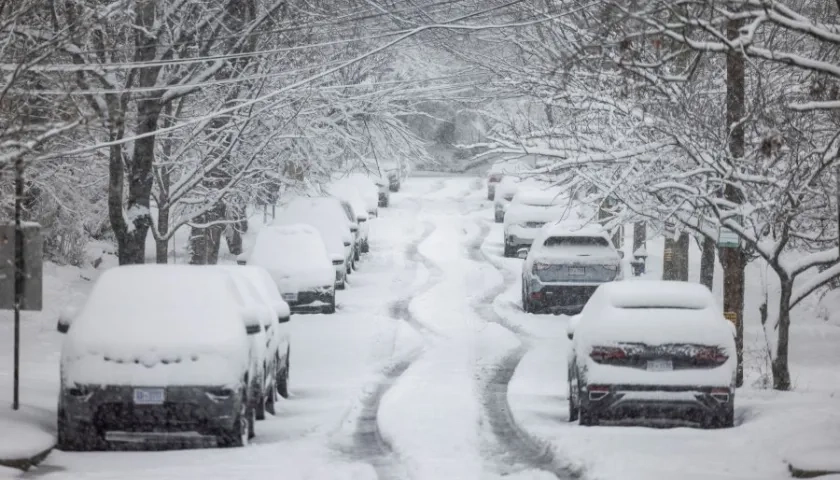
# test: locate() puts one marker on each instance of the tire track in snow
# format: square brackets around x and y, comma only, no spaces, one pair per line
[400,309]
[367,443]
[515,445]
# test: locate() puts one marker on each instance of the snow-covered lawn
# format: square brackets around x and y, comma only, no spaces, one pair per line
[418,376]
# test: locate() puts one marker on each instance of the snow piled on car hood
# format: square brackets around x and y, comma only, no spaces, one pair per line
[160,325]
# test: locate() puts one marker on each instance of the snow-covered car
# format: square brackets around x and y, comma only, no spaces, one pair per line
[355,228]
[327,215]
[493,180]
[299,263]
[358,208]
[256,286]
[367,188]
[527,213]
[505,190]
[564,266]
[657,350]
[157,353]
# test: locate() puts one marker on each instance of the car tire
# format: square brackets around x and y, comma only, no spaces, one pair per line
[509,251]
[242,430]
[490,195]
[727,420]
[259,404]
[365,247]
[83,438]
[574,412]
[357,255]
[283,377]
[500,217]
[341,286]
[586,418]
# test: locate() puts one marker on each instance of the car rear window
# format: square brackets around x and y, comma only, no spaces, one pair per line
[574,241]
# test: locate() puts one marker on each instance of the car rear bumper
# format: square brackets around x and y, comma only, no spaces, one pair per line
[311,300]
[692,403]
[560,298]
[189,412]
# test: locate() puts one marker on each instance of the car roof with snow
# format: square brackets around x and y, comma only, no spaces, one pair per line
[324,213]
[288,247]
[658,294]
[263,284]
[351,195]
[539,198]
[161,303]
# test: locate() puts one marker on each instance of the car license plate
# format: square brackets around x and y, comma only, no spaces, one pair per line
[577,271]
[290,297]
[149,396]
[660,365]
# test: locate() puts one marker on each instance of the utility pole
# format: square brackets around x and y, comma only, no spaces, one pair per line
[20,277]
[734,259]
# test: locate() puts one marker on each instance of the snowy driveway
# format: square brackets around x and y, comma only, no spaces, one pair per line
[430,370]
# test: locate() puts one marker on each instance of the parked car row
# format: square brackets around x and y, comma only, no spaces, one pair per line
[640,349]
[314,243]
[181,353]
[172,353]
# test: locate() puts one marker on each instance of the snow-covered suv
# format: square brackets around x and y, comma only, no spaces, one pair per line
[527,213]
[158,353]
[653,349]
[565,265]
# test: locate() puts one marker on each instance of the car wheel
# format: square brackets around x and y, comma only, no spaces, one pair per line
[259,405]
[490,195]
[241,431]
[573,408]
[509,251]
[283,378]
[83,438]
[727,420]
[500,217]
[330,308]
[357,255]
[341,285]
[365,247]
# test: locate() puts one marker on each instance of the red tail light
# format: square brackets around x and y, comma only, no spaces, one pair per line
[606,354]
[536,296]
[713,355]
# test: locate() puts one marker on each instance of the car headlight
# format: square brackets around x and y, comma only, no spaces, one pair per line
[541,266]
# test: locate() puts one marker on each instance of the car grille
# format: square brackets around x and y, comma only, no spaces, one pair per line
[170,416]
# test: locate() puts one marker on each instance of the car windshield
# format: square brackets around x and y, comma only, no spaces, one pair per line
[576,241]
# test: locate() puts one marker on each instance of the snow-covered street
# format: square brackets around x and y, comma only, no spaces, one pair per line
[431,370]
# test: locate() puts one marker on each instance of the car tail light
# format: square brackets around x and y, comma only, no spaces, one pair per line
[607,354]
[536,295]
[710,355]
[597,392]
[541,266]
[720,394]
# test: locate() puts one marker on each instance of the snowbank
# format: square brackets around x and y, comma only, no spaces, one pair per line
[24,436]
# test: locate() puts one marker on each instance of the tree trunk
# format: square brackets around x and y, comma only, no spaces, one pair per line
[639,236]
[205,240]
[781,373]
[707,262]
[733,259]
[132,245]
[675,264]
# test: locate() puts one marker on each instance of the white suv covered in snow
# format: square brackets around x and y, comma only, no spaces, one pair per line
[157,353]
[298,261]
[527,213]
[655,350]
[564,266]
[256,287]
[327,215]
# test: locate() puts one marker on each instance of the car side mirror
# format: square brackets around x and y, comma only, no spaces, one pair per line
[65,319]
[242,259]
[251,318]
[284,318]
[572,325]
[522,253]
